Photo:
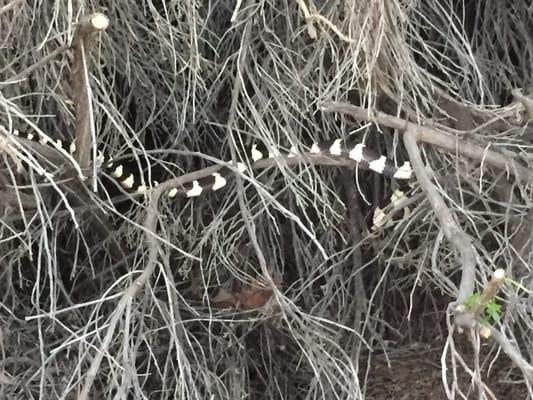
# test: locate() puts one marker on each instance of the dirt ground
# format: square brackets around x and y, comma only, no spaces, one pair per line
[416,374]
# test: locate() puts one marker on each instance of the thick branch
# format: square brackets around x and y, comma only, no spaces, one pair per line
[435,137]
[489,292]
[85,136]
[457,237]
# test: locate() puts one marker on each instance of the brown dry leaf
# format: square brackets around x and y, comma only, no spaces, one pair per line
[250,299]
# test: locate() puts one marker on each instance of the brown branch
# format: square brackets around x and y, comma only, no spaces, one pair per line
[81,87]
[522,243]
[356,225]
[489,292]
[435,137]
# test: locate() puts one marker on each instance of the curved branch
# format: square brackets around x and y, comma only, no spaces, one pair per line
[453,232]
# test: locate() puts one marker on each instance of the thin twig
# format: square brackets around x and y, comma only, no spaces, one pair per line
[41,62]
[332,26]
[512,351]
[10,6]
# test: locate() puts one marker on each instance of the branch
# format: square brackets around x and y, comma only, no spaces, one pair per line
[129,294]
[85,135]
[513,353]
[39,63]
[311,30]
[457,237]
[435,137]
[10,6]
[489,292]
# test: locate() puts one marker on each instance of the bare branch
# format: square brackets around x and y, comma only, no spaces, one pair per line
[512,351]
[138,284]
[12,4]
[438,138]
[489,292]
[82,95]
[49,57]
[457,237]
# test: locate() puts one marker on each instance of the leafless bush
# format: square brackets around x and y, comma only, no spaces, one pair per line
[273,288]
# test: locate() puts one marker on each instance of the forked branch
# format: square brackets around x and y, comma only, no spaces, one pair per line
[459,239]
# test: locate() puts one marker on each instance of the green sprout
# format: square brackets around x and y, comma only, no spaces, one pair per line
[491,312]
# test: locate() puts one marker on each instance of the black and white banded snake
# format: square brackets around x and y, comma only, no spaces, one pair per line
[346,148]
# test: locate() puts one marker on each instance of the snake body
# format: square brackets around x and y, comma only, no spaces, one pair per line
[343,148]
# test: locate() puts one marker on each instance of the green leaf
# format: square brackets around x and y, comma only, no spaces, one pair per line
[493,310]
[471,300]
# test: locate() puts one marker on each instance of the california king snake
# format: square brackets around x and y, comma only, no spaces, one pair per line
[337,148]
[347,148]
